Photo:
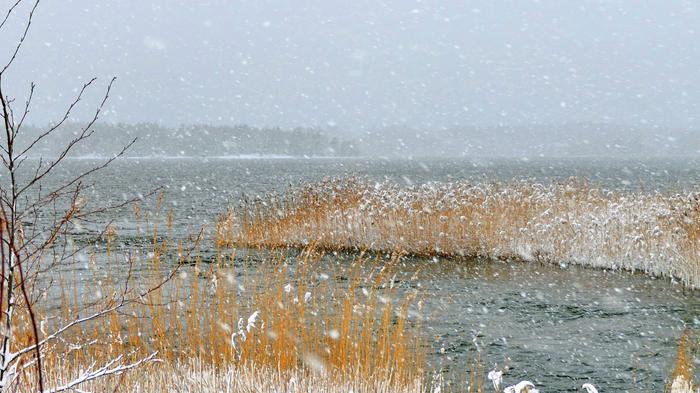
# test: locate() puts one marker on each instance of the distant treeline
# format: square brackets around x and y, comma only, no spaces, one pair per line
[196,141]
[568,140]
[554,141]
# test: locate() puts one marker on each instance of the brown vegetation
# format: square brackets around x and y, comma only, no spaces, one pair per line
[559,223]
[267,315]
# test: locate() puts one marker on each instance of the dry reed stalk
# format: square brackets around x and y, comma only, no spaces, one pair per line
[201,377]
[682,379]
[559,223]
[293,315]
[323,326]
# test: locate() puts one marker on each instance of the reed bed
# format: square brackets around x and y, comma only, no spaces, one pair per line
[209,319]
[202,377]
[571,222]
[199,377]
[223,320]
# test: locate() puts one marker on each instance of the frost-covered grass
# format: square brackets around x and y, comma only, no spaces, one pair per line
[199,377]
[682,379]
[274,322]
[265,320]
[560,223]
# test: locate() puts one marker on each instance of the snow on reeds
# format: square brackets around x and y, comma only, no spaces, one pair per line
[199,377]
[205,379]
[264,319]
[195,375]
[295,322]
[682,380]
[564,223]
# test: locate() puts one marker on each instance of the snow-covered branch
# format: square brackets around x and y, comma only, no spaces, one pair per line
[13,356]
[113,367]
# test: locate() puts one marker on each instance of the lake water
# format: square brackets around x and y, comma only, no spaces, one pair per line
[202,188]
[557,326]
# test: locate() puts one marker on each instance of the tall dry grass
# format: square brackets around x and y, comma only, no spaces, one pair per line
[270,321]
[682,378]
[559,223]
[199,377]
[266,317]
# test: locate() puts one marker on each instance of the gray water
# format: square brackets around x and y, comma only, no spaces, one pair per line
[201,188]
[557,326]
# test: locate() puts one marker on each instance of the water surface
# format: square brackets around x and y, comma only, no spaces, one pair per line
[557,326]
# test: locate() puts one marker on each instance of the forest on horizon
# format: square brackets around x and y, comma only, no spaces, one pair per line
[546,141]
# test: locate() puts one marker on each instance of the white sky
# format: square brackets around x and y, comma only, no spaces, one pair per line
[367,63]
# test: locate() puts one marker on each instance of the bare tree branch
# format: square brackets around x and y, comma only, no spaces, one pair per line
[50,228]
[9,12]
[85,133]
[78,178]
[22,38]
[14,356]
[32,319]
[63,119]
[108,369]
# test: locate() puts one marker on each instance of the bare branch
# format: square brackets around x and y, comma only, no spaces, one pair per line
[32,319]
[27,104]
[22,38]
[121,303]
[65,117]
[107,369]
[9,11]
[86,133]
[54,335]
[23,255]
[9,132]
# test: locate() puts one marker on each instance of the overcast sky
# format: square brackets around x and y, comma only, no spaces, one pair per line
[367,63]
